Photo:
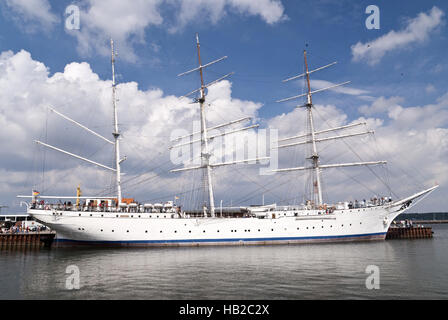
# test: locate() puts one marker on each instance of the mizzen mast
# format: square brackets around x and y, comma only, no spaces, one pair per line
[116,133]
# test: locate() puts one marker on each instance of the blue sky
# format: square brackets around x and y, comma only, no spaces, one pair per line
[261,54]
[264,41]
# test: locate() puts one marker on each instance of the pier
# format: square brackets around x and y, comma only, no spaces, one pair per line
[27,239]
[409,232]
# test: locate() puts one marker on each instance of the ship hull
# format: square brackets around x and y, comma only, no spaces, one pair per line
[140,229]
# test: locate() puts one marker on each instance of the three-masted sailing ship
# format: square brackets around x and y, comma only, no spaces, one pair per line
[110,221]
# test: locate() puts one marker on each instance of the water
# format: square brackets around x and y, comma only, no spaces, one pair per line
[409,269]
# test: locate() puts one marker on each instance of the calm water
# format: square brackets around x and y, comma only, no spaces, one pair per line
[409,269]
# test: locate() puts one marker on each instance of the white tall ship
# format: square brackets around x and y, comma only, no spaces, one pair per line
[111,221]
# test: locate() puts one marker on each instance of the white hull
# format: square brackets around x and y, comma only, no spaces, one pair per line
[139,229]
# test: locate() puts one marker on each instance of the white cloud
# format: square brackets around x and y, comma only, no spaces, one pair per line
[34,13]
[147,119]
[127,24]
[381,105]
[414,140]
[271,11]
[417,30]
[346,89]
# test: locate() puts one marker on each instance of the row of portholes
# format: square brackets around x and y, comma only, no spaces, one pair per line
[247,230]
[132,216]
[359,210]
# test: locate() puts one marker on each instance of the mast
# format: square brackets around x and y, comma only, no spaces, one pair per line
[314,155]
[116,133]
[205,151]
[205,155]
[310,136]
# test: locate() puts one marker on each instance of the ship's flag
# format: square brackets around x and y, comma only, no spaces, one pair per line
[35,193]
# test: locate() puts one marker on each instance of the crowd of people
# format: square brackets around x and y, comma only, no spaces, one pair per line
[373,202]
[20,229]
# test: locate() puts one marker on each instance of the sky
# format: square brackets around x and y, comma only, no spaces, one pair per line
[398,87]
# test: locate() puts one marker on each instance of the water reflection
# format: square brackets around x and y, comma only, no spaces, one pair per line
[408,269]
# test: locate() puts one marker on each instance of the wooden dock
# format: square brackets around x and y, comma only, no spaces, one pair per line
[409,232]
[29,239]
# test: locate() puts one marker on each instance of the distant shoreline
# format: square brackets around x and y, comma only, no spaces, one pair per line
[427,217]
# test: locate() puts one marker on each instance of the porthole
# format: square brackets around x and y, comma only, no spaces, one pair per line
[127,230]
[146,231]
[189,231]
[272,229]
[203,231]
[160,231]
[112,230]
[90,214]
[79,214]
[258,230]
[101,230]
[102,215]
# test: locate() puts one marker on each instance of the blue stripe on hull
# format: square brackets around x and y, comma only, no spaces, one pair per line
[231,241]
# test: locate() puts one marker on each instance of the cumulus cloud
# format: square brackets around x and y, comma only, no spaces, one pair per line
[381,105]
[127,24]
[147,120]
[271,11]
[417,30]
[414,141]
[33,14]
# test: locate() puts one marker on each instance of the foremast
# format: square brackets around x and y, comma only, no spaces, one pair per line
[311,135]
[314,155]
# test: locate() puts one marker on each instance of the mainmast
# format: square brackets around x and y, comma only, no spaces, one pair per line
[205,155]
[311,135]
[205,151]
[116,133]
